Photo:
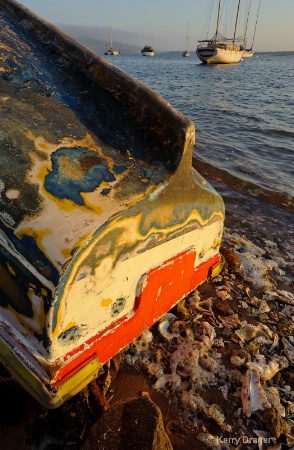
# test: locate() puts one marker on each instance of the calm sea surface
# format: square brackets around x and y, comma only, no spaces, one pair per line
[244,118]
[243,113]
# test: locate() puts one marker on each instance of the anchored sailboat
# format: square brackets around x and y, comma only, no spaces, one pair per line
[110,51]
[219,49]
[186,53]
[248,52]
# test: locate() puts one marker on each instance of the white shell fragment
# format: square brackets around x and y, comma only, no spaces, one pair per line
[268,370]
[263,308]
[142,342]
[174,380]
[279,296]
[249,332]
[288,350]
[164,324]
[208,334]
[252,394]
[262,340]
[224,295]
[224,390]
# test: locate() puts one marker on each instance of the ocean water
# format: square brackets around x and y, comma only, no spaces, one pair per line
[244,119]
[243,113]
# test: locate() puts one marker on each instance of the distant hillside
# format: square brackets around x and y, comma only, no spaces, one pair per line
[97,38]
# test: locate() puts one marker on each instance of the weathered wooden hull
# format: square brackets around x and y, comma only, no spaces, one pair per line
[104,225]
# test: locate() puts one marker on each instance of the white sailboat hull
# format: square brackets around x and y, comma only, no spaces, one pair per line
[247,54]
[112,52]
[210,55]
[148,53]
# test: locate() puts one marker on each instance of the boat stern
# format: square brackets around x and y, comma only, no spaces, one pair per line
[104,224]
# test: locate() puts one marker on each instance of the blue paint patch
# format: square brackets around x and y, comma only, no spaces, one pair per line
[82,275]
[69,335]
[72,102]
[28,76]
[28,247]
[74,250]
[105,191]
[76,170]
[119,169]
[13,291]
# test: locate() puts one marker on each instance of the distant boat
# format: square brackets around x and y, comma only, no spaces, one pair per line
[110,51]
[248,52]
[186,53]
[219,49]
[148,50]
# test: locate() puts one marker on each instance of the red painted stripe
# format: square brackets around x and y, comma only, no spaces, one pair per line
[161,288]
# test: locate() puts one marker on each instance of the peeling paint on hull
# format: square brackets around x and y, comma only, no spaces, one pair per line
[104,225]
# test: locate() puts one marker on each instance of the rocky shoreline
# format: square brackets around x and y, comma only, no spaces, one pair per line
[215,372]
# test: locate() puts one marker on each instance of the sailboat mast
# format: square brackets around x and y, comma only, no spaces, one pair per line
[236,21]
[110,36]
[187,36]
[218,19]
[245,33]
[255,25]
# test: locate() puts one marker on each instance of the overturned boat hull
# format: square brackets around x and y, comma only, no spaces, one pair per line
[104,225]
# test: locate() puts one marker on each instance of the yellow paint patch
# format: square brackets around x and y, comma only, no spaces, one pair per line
[69,326]
[106,302]
[217,242]
[67,251]
[44,292]
[43,146]
[10,270]
[42,173]
[76,382]
[41,143]
[93,204]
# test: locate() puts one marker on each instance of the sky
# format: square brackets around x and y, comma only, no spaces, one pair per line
[164,23]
